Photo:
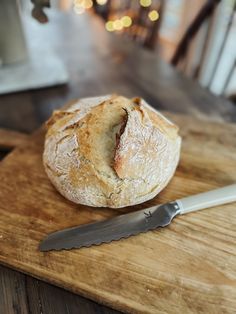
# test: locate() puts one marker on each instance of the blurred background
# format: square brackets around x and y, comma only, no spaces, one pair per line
[76,46]
[199,37]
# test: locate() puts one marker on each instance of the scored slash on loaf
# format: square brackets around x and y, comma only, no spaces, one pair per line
[110,151]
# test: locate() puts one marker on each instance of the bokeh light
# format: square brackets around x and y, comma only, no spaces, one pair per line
[78,2]
[126,21]
[145,3]
[101,2]
[153,15]
[87,4]
[78,9]
[117,24]
[109,26]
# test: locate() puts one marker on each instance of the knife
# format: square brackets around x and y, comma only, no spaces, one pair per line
[126,225]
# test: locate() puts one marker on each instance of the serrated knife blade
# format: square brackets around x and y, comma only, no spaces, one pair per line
[105,231]
[126,225]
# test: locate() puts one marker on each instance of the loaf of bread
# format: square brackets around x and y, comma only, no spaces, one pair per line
[110,151]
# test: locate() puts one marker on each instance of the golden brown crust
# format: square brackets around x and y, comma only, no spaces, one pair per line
[58,118]
[110,151]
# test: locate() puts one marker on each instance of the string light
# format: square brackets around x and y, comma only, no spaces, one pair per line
[126,21]
[118,24]
[153,15]
[145,3]
[101,2]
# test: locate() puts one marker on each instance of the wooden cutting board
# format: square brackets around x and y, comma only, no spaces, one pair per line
[188,267]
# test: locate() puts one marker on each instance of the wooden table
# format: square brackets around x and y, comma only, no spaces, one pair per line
[97,64]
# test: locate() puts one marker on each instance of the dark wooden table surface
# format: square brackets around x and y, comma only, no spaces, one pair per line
[97,63]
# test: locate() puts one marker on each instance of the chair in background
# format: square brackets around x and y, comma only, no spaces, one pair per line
[144,28]
[232,97]
[206,15]
[229,77]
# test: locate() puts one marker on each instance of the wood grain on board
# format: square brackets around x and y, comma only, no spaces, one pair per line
[189,266]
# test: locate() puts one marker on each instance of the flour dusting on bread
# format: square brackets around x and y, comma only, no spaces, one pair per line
[110,151]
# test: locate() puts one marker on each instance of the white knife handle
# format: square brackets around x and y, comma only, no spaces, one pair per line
[207,199]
